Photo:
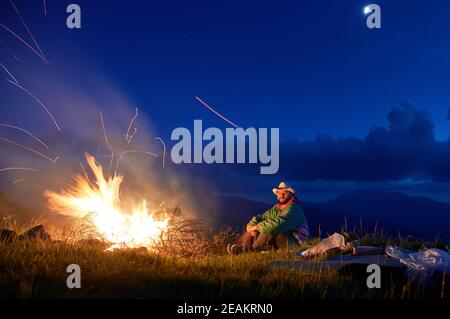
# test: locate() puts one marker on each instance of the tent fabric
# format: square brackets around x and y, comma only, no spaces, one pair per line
[427,260]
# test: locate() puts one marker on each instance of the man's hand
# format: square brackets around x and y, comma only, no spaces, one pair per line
[252,229]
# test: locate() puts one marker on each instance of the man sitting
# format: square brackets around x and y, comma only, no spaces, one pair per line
[277,227]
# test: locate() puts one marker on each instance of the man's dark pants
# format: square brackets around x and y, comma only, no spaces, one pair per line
[262,242]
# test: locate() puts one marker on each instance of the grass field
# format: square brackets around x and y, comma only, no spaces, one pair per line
[35,269]
[38,270]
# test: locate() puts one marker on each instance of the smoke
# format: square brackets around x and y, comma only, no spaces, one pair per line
[76,88]
[80,103]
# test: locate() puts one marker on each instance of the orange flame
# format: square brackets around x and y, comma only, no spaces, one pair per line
[100,203]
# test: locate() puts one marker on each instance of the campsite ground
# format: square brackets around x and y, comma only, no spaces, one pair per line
[38,270]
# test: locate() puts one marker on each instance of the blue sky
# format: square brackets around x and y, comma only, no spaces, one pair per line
[307,67]
[259,61]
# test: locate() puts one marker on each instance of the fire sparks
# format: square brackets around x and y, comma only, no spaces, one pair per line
[215,112]
[2,139]
[24,42]
[100,203]
[26,132]
[37,100]
[128,136]
[9,73]
[27,28]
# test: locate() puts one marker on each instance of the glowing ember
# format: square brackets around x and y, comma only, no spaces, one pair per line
[100,203]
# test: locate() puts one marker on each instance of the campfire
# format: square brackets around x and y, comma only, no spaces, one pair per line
[99,203]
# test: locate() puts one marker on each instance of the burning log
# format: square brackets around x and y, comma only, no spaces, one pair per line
[104,217]
[99,203]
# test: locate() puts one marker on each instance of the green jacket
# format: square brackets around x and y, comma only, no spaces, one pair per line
[276,221]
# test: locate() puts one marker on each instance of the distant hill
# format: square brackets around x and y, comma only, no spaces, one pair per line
[420,217]
[236,211]
[395,212]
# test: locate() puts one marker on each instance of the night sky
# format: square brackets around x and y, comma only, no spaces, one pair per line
[357,108]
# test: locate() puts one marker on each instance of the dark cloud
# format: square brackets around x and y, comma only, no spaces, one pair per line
[406,149]
[404,156]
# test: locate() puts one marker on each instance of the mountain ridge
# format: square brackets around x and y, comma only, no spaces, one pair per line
[395,212]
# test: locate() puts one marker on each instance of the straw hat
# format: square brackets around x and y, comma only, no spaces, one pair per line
[283,187]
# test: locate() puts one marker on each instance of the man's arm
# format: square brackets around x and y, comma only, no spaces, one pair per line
[259,218]
[279,224]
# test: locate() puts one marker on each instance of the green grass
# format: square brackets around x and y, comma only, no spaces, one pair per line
[37,270]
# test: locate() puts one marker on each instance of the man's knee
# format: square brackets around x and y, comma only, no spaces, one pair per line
[262,242]
[281,241]
[246,240]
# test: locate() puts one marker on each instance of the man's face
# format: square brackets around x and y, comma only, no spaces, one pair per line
[284,196]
